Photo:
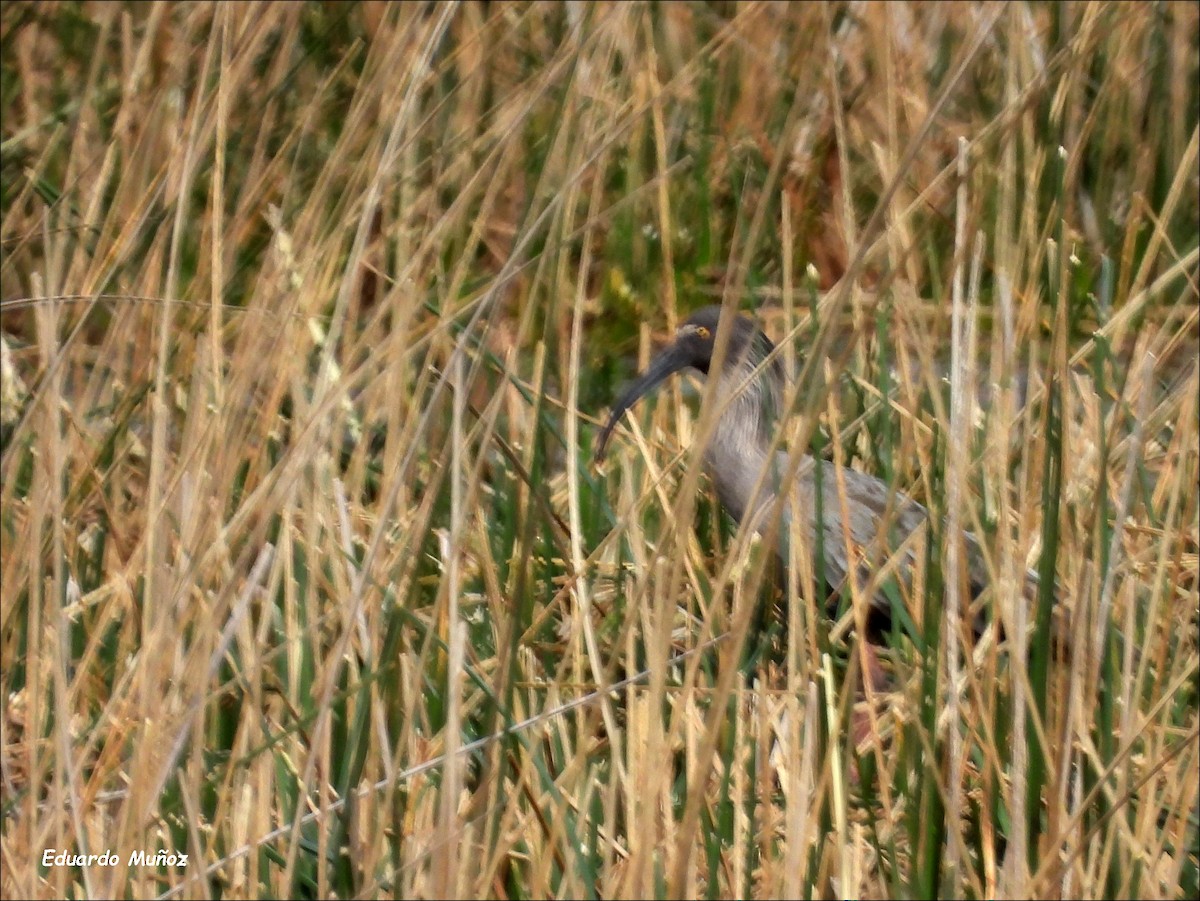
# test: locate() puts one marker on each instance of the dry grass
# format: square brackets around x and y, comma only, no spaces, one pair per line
[310,312]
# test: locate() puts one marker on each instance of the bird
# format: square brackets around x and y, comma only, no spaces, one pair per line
[878,519]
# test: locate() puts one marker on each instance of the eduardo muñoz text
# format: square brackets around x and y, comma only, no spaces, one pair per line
[51,857]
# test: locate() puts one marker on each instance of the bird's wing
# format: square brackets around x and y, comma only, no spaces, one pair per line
[866,524]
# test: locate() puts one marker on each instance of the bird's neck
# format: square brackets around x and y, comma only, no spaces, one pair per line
[739,447]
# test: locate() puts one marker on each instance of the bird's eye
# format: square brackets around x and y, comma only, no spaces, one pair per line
[702,333]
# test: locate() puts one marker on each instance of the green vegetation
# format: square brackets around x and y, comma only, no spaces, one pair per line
[310,314]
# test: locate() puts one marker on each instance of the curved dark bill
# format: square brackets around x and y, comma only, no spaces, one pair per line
[669,361]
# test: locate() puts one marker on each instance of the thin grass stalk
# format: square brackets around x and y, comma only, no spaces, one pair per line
[584,600]
[1014,611]
[796,811]
[956,490]
[447,873]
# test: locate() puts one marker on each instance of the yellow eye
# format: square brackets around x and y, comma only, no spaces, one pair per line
[702,333]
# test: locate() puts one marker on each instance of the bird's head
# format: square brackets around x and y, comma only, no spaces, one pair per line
[693,347]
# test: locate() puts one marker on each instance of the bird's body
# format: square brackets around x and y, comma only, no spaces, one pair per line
[863,520]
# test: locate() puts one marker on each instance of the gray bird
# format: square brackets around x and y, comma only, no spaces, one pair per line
[739,449]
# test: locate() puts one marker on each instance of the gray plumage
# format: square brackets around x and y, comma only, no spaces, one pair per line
[738,449]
